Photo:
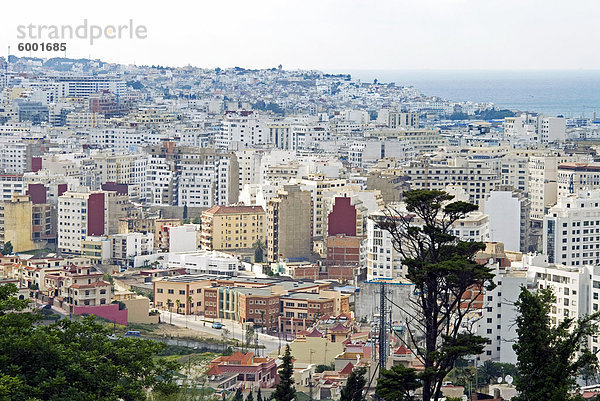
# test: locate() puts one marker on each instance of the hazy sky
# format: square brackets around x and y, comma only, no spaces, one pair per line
[329,35]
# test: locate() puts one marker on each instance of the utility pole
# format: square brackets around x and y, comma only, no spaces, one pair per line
[310,386]
[382,327]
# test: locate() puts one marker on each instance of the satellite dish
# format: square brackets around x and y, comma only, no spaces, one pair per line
[508,379]
[500,380]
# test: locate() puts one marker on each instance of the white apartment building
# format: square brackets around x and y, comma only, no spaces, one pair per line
[382,259]
[84,86]
[204,262]
[508,214]
[124,247]
[473,228]
[514,171]
[243,129]
[207,179]
[576,177]
[307,136]
[497,323]
[159,174]
[249,162]
[121,139]
[478,181]
[572,230]
[279,135]
[543,182]
[80,214]
[536,128]
[15,157]
[9,184]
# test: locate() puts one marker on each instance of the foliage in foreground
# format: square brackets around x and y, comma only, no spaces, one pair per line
[549,358]
[355,385]
[72,360]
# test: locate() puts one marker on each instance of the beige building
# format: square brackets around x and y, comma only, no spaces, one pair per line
[187,289]
[138,307]
[232,227]
[289,224]
[15,223]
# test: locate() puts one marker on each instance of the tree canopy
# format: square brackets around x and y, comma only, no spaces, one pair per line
[355,385]
[73,360]
[550,357]
[447,280]
[285,390]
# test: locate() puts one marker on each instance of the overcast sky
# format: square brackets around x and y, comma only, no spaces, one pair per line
[331,35]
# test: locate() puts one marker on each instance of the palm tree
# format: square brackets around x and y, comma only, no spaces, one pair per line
[169,303]
[189,302]
[177,303]
[262,319]
[224,335]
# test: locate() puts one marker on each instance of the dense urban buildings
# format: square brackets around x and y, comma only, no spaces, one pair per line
[253,200]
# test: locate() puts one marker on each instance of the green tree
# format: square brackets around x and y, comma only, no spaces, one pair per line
[549,357]
[169,306]
[259,395]
[355,385]
[185,211]
[490,371]
[322,368]
[398,384]
[285,390]
[249,336]
[443,270]
[238,395]
[259,251]
[72,360]
[7,249]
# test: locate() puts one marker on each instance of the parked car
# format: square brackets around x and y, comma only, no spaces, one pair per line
[217,325]
[132,333]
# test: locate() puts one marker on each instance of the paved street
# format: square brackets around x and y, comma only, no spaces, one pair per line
[235,330]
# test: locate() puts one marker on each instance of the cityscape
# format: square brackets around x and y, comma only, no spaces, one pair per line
[242,233]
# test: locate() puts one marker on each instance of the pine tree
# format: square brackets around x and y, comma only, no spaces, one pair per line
[443,271]
[238,396]
[285,390]
[250,397]
[355,385]
[259,395]
[397,384]
[549,358]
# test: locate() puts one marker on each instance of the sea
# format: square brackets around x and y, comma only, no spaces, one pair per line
[573,93]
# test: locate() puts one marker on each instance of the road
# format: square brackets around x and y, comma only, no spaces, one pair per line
[235,330]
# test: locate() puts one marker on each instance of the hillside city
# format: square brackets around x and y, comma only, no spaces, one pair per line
[241,212]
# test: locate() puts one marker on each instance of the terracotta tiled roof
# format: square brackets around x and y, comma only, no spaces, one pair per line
[402,350]
[348,369]
[340,328]
[214,371]
[315,333]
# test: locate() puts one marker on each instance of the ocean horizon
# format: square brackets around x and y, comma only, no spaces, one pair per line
[573,93]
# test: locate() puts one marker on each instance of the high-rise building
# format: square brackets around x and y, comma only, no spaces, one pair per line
[289,224]
[572,230]
[16,223]
[229,228]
